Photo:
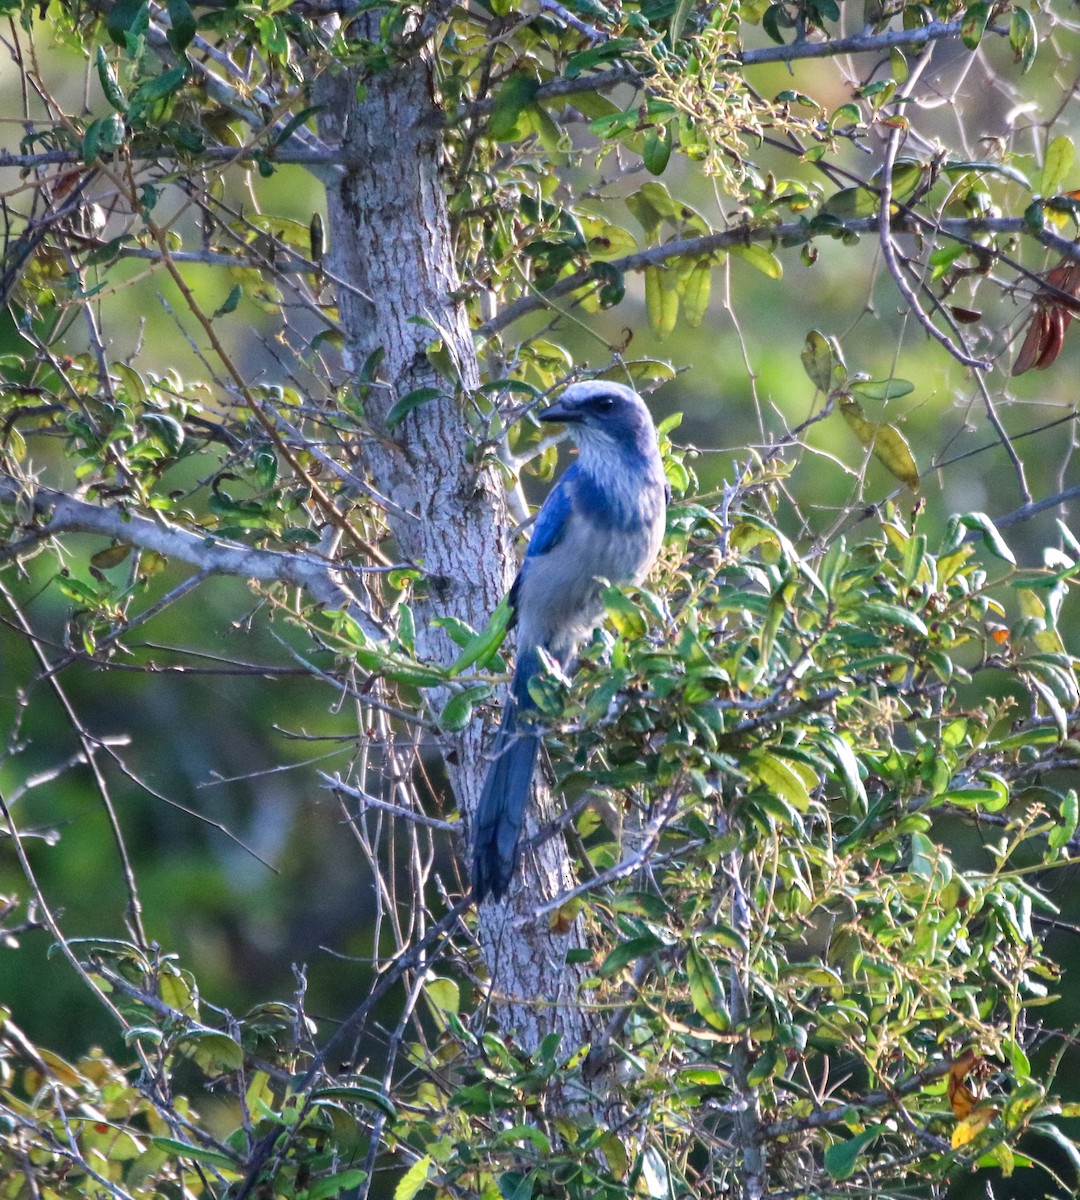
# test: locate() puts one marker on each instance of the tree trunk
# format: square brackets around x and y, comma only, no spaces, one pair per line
[389,236]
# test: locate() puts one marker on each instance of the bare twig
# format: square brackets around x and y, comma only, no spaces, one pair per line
[888,249]
[336,784]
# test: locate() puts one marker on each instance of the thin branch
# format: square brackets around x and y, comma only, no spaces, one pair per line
[568,18]
[888,249]
[868,1101]
[858,43]
[861,43]
[648,840]
[336,784]
[90,745]
[1034,507]
[50,919]
[203,550]
[790,232]
[410,960]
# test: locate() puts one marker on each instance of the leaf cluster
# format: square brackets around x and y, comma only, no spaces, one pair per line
[781,762]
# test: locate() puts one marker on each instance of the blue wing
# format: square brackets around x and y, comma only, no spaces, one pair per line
[554,514]
[550,528]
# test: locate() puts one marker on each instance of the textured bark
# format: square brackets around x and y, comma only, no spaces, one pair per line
[390,237]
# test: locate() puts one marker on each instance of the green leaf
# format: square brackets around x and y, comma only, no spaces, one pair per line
[887,444]
[512,99]
[817,360]
[782,780]
[202,1154]
[414,1178]
[842,1158]
[175,992]
[165,429]
[1023,38]
[315,230]
[846,114]
[369,1097]
[883,389]
[102,137]
[514,1185]
[961,166]
[215,1052]
[457,711]
[974,23]
[852,202]
[413,399]
[159,88]
[695,297]
[943,258]
[231,301]
[109,85]
[605,240]
[623,613]
[628,952]
[772,19]
[1035,736]
[111,556]
[984,799]
[1056,165]
[683,8]
[182,24]
[771,1061]
[892,614]
[443,994]
[334,1185]
[123,17]
[1062,1140]
[265,463]
[645,212]
[706,990]
[847,765]
[761,259]
[481,647]
[1062,834]
[992,540]
[657,149]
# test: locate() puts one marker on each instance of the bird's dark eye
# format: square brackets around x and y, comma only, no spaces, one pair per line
[603,404]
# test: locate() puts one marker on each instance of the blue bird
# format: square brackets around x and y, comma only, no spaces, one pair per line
[603,521]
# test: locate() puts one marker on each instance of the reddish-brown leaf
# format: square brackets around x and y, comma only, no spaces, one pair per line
[1055,304]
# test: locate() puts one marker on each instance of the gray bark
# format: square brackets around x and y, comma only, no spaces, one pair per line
[390,237]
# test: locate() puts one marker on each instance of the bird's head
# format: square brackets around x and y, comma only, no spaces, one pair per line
[600,413]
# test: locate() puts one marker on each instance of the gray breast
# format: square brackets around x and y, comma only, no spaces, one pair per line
[560,591]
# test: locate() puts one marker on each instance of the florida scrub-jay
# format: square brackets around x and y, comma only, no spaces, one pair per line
[603,521]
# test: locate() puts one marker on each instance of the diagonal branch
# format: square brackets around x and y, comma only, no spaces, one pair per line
[321,580]
[858,43]
[790,232]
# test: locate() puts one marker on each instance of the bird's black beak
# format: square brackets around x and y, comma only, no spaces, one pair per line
[560,412]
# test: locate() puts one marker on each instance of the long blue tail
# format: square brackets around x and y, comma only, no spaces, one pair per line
[500,814]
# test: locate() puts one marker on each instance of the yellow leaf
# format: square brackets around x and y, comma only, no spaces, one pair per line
[696,293]
[970,1128]
[414,1179]
[661,300]
[887,444]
